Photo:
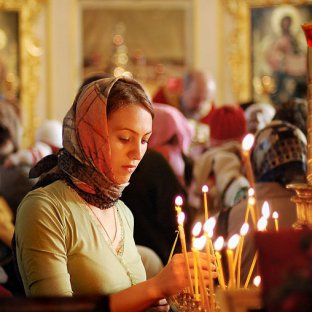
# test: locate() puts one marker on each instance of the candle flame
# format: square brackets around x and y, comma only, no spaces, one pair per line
[251,192]
[218,244]
[248,142]
[199,243]
[251,201]
[244,229]
[257,280]
[179,201]
[197,229]
[262,224]
[210,224]
[233,241]
[205,189]
[181,218]
[265,210]
[275,215]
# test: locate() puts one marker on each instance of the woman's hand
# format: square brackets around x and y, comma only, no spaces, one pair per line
[174,277]
[162,306]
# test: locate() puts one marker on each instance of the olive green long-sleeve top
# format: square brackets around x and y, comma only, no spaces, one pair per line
[62,251]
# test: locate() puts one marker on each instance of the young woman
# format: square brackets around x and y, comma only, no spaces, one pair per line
[73,235]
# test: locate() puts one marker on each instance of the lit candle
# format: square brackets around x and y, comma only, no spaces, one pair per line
[178,204]
[195,232]
[205,192]
[218,245]
[243,233]
[262,224]
[198,244]
[173,246]
[257,281]
[181,217]
[275,217]
[251,269]
[265,210]
[247,144]
[208,228]
[232,244]
[251,207]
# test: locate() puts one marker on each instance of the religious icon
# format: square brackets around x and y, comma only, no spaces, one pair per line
[279,52]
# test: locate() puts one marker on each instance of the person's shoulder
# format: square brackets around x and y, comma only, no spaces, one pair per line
[123,207]
[48,196]
[56,188]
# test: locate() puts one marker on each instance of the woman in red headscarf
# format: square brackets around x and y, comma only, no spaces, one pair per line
[73,235]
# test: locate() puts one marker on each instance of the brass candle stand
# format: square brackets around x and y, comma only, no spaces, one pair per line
[303,197]
[303,201]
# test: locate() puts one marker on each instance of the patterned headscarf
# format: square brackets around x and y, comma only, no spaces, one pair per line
[85,160]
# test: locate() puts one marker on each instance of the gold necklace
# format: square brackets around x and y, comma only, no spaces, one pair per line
[119,249]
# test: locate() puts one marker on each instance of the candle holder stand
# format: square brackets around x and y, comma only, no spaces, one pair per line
[303,197]
[303,201]
[185,302]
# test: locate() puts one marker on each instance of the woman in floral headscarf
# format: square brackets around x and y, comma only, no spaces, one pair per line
[73,235]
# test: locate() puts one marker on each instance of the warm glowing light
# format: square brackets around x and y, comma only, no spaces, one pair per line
[251,201]
[118,71]
[262,224]
[251,192]
[127,74]
[218,244]
[248,142]
[181,218]
[179,201]
[244,229]
[210,224]
[197,229]
[265,210]
[233,241]
[199,243]
[205,189]
[275,215]
[257,280]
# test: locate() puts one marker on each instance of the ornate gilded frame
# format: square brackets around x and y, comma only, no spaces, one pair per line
[239,55]
[29,60]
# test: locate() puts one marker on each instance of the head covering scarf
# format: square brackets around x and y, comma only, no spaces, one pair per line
[171,136]
[85,160]
[227,123]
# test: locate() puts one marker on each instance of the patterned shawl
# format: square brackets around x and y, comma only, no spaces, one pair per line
[85,160]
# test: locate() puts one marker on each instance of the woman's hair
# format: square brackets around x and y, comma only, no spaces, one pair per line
[127,92]
[124,92]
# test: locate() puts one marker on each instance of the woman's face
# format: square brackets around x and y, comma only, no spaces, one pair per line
[130,128]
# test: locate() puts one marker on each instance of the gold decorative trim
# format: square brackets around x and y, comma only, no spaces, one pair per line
[240,39]
[29,58]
